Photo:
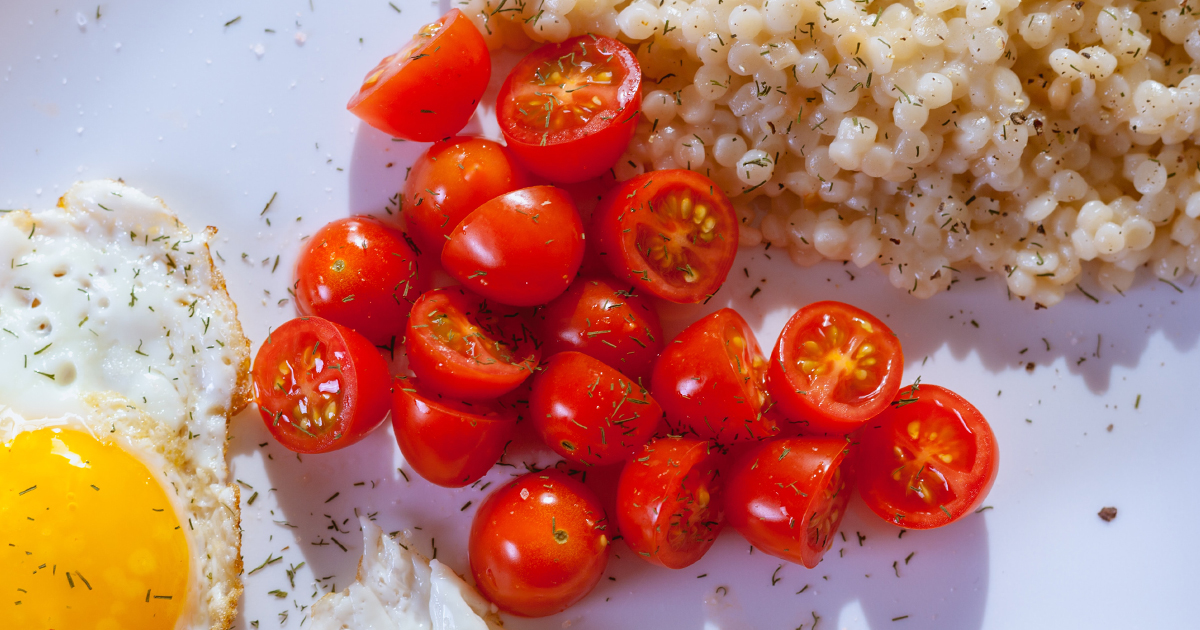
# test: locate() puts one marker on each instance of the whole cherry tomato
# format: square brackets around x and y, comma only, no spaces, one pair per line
[538,544]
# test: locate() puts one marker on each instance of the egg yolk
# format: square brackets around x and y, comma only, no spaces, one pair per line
[88,537]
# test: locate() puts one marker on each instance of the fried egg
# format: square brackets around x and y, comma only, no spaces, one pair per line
[121,362]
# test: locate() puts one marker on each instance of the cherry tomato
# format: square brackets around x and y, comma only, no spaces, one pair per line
[461,346]
[788,496]
[450,180]
[671,233]
[319,385]
[522,248]
[605,320]
[927,460]
[670,501]
[568,110]
[538,544]
[590,413]
[710,381]
[448,442]
[835,366]
[429,89]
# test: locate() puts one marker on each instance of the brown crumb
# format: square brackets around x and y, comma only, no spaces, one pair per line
[1107,514]
[1029,367]
[1110,428]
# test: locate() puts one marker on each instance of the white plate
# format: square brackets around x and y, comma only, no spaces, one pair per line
[200,104]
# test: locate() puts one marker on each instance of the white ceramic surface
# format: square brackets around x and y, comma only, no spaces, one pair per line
[216,106]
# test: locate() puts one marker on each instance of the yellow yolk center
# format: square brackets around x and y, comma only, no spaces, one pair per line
[89,537]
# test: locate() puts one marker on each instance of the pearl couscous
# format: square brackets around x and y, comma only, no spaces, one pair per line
[1033,139]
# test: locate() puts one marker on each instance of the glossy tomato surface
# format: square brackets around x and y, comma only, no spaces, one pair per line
[788,496]
[538,544]
[710,380]
[522,248]
[451,443]
[670,501]
[452,178]
[835,367]
[607,320]
[928,460]
[360,274]
[429,89]
[319,386]
[672,233]
[589,412]
[568,110]
[462,346]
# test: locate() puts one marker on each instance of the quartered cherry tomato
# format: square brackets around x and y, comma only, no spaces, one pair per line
[589,412]
[319,385]
[710,381]
[672,233]
[462,346]
[452,178]
[928,460]
[451,443]
[522,248]
[670,501]
[835,366]
[429,89]
[568,110]
[606,320]
[360,274]
[538,544]
[788,496]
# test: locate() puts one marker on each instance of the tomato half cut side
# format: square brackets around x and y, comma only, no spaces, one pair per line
[788,496]
[670,503]
[319,385]
[568,110]
[428,89]
[928,460]
[462,346]
[835,367]
[671,233]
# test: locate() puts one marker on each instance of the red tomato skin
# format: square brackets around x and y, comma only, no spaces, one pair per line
[361,274]
[775,519]
[452,178]
[516,559]
[613,227]
[875,443]
[606,320]
[435,90]
[522,248]
[578,400]
[446,372]
[700,389]
[577,154]
[448,443]
[364,403]
[790,390]
[643,508]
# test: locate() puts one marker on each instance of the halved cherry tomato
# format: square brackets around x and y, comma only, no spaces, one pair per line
[522,248]
[450,180]
[835,366]
[788,496]
[670,503]
[568,110]
[710,381]
[589,412]
[672,233]
[927,460]
[461,346]
[611,322]
[319,385]
[360,274]
[538,544]
[449,442]
[429,89]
